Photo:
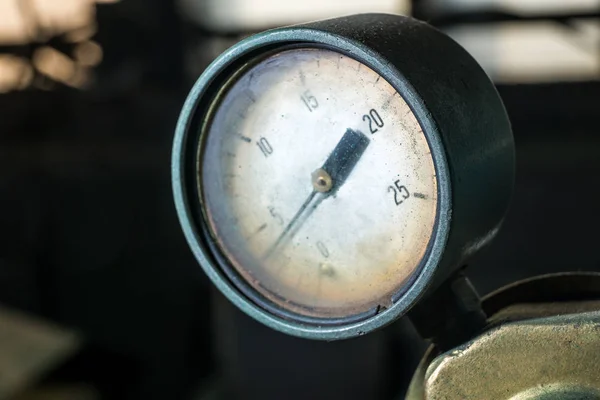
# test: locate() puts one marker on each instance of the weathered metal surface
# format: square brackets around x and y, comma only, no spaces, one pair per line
[553,357]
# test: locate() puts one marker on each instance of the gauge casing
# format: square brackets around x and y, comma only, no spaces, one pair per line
[462,118]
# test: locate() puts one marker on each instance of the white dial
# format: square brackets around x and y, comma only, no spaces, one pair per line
[318,183]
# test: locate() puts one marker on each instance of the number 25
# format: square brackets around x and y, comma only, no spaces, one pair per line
[400,192]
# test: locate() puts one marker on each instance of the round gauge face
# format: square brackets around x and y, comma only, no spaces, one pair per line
[317,183]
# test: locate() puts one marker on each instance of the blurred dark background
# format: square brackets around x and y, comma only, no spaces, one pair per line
[89,239]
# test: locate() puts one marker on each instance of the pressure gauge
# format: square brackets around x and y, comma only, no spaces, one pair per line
[327,175]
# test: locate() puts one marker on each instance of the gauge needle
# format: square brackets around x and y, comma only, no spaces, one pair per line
[326,181]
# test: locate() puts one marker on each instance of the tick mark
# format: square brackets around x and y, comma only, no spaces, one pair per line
[388,101]
[259,230]
[230,154]
[262,228]
[378,78]
[300,279]
[244,138]
[251,96]
[420,196]
[302,78]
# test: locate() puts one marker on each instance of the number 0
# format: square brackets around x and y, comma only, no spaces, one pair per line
[264,146]
[376,118]
[323,249]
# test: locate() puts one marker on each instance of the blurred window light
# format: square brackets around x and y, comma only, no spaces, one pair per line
[24,22]
[253,15]
[59,67]
[522,7]
[516,52]
[15,73]
[88,54]
[15,27]
[527,51]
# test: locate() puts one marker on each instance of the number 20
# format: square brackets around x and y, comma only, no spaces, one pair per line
[373,117]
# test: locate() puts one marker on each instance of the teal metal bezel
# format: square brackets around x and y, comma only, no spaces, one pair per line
[438,258]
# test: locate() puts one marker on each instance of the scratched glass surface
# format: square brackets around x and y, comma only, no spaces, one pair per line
[318,183]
